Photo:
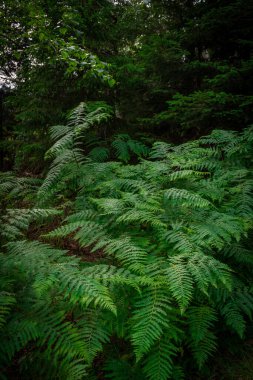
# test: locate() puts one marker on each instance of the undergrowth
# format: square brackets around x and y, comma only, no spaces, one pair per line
[172,291]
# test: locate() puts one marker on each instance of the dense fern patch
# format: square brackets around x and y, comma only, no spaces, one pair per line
[175,280]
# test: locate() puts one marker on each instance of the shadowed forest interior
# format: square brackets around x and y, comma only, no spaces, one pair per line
[126,184]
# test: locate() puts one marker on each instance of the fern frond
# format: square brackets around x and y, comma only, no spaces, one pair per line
[108,274]
[233,317]
[65,142]
[182,174]
[7,300]
[99,154]
[203,349]
[206,271]
[84,291]
[13,187]
[124,146]
[93,331]
[201,319]
[122,150]
[129,254]
[160,150]
[180,282]
[159,362]
[17,221]
[149,320]
[141,216]
[186,198]
[202,341]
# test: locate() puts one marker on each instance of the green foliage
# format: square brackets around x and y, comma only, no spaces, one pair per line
[15,221]
[202,340]
[66,152]
[204,110]
[168,68]
[13,187]
[125,261]
[124,146]
[57,312]
[174,233]
[159,363]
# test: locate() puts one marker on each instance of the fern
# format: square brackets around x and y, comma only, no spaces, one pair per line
[181,195]
[159,363]
[233,317]
[17,221]
[164,266]
[38,321]
[7,300]
[180,283]
[124,146]
[149,320]
[202,339]
[66,152]
[94,333]
[13,187]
